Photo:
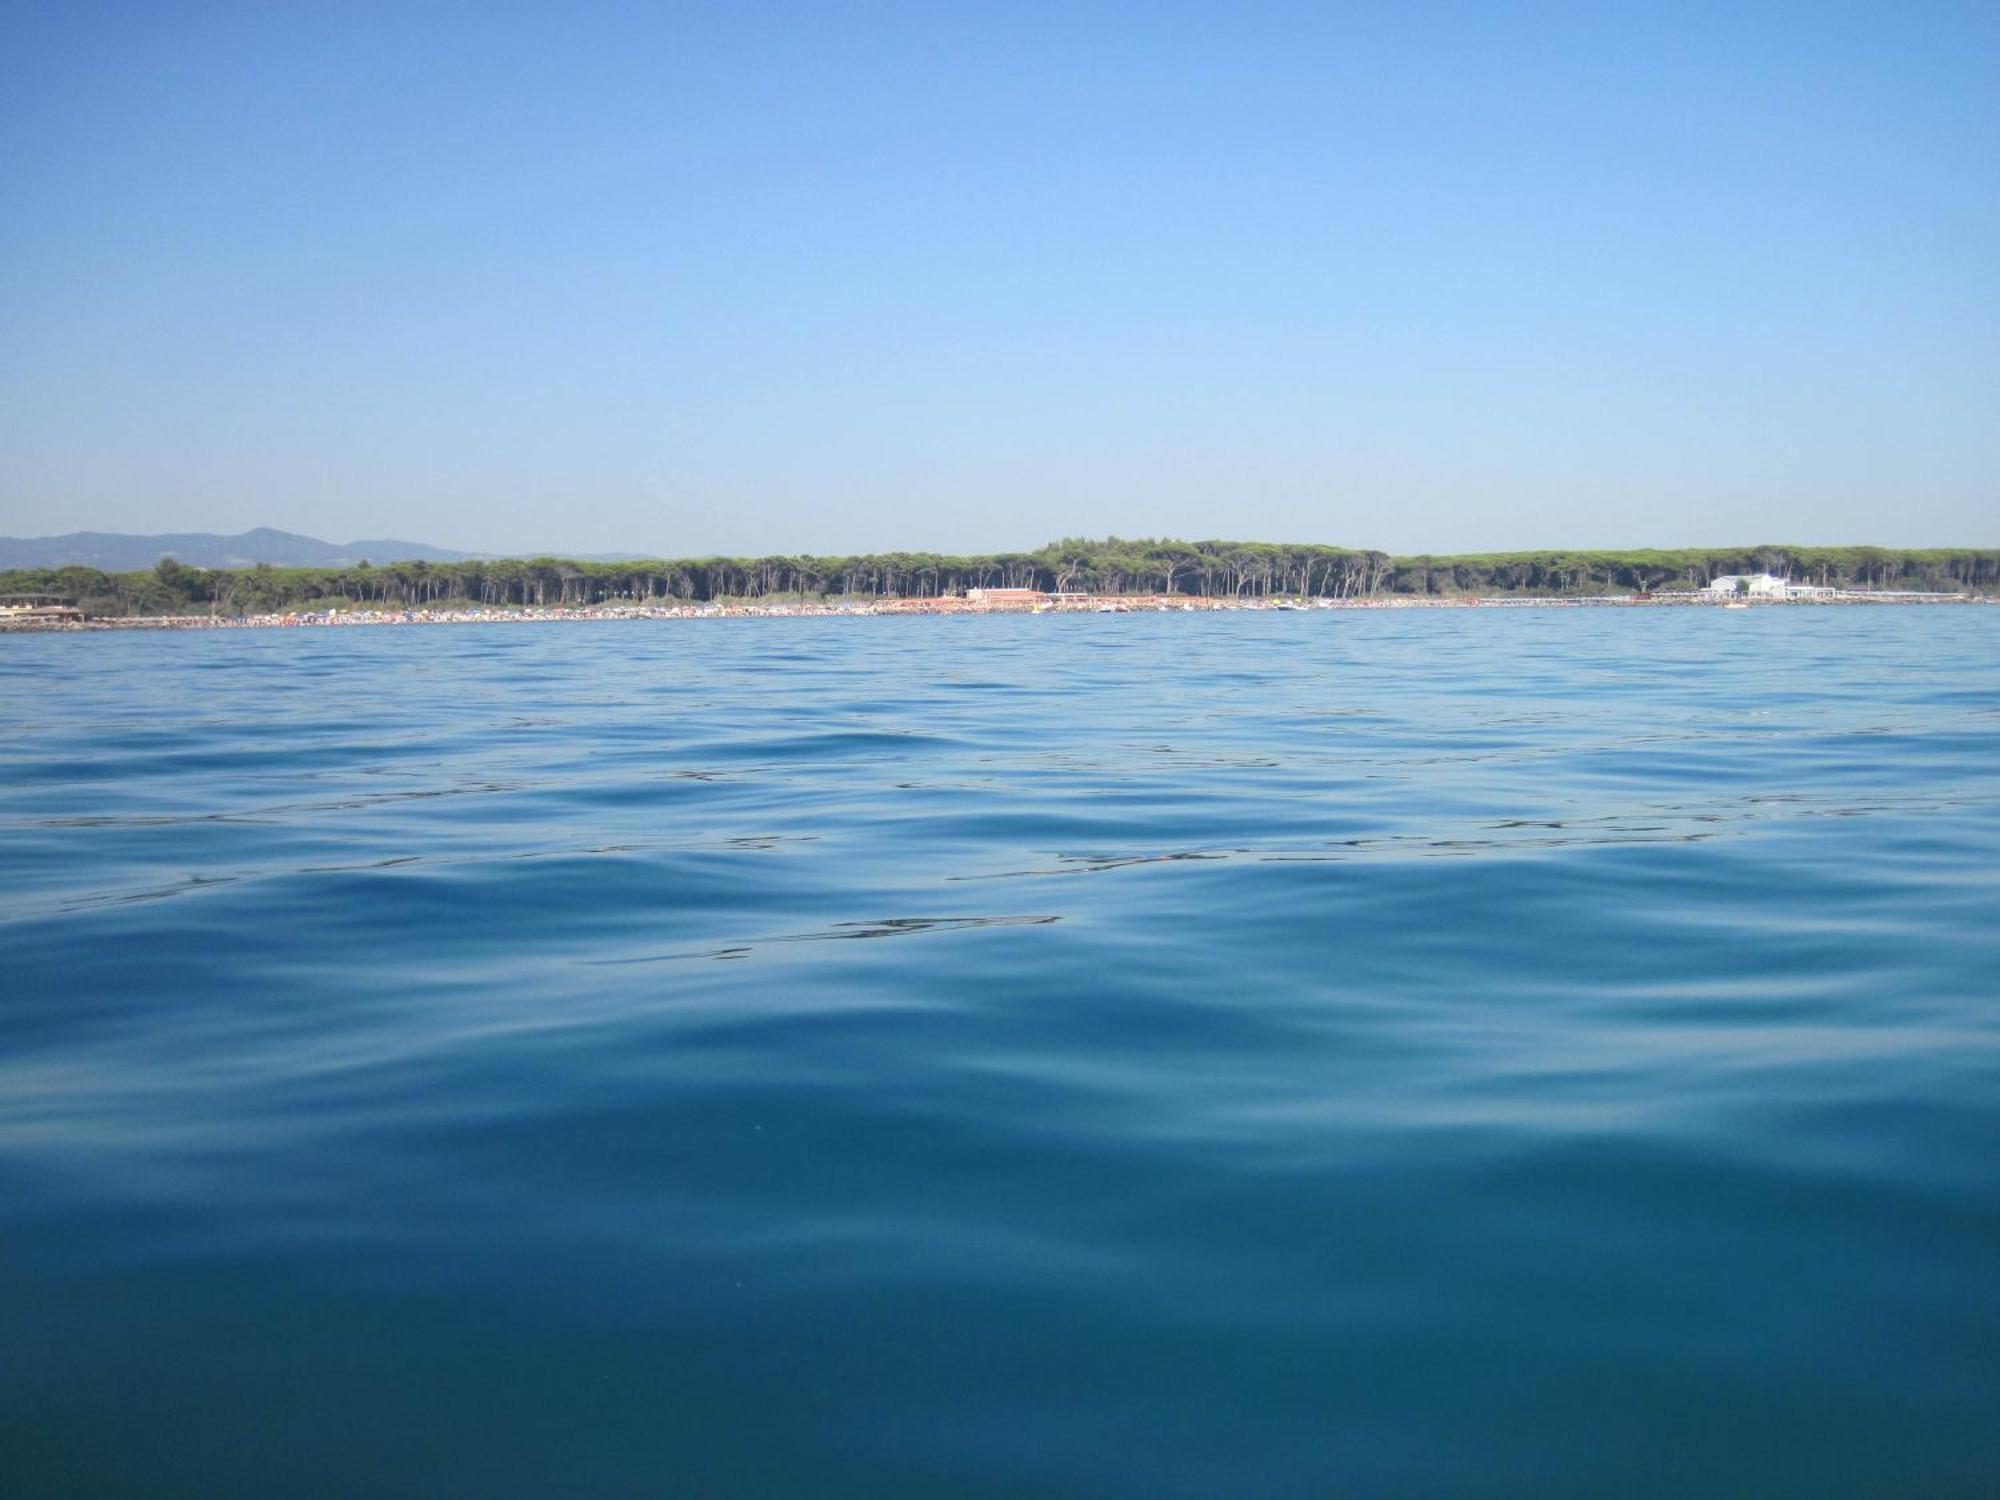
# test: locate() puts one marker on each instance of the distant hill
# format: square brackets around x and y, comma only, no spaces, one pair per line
[117,552]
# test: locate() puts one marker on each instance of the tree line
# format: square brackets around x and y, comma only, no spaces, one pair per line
[1211,569]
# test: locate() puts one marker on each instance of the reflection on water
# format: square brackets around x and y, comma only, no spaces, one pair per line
[1518,1054]
[886,927]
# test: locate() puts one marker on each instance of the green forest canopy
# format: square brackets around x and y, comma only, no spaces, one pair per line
[1214,569]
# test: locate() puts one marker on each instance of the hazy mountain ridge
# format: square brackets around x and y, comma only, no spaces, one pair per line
[123,552]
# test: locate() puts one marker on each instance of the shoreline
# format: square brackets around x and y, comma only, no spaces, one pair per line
[1108,604]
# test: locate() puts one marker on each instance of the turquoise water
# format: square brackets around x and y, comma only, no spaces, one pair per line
[1430,1053]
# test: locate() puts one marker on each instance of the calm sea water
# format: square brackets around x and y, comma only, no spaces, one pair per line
[1540,1054]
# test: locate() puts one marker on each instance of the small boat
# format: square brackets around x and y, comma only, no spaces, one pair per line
[1736,604]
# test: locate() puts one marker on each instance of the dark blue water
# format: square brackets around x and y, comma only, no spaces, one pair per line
[1407,1054]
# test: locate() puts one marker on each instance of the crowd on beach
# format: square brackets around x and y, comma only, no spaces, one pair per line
[949,605]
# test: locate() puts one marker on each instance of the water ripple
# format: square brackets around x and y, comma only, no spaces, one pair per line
[1494,1054]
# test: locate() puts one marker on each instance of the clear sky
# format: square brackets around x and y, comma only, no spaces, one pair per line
[762,277]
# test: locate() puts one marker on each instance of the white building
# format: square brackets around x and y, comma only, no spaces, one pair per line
[1757,585]
[1764,586]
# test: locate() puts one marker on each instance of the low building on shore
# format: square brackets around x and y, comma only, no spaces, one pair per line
[1765,586]
[38,609]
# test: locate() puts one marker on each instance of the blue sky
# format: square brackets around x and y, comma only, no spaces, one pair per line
[824,277]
